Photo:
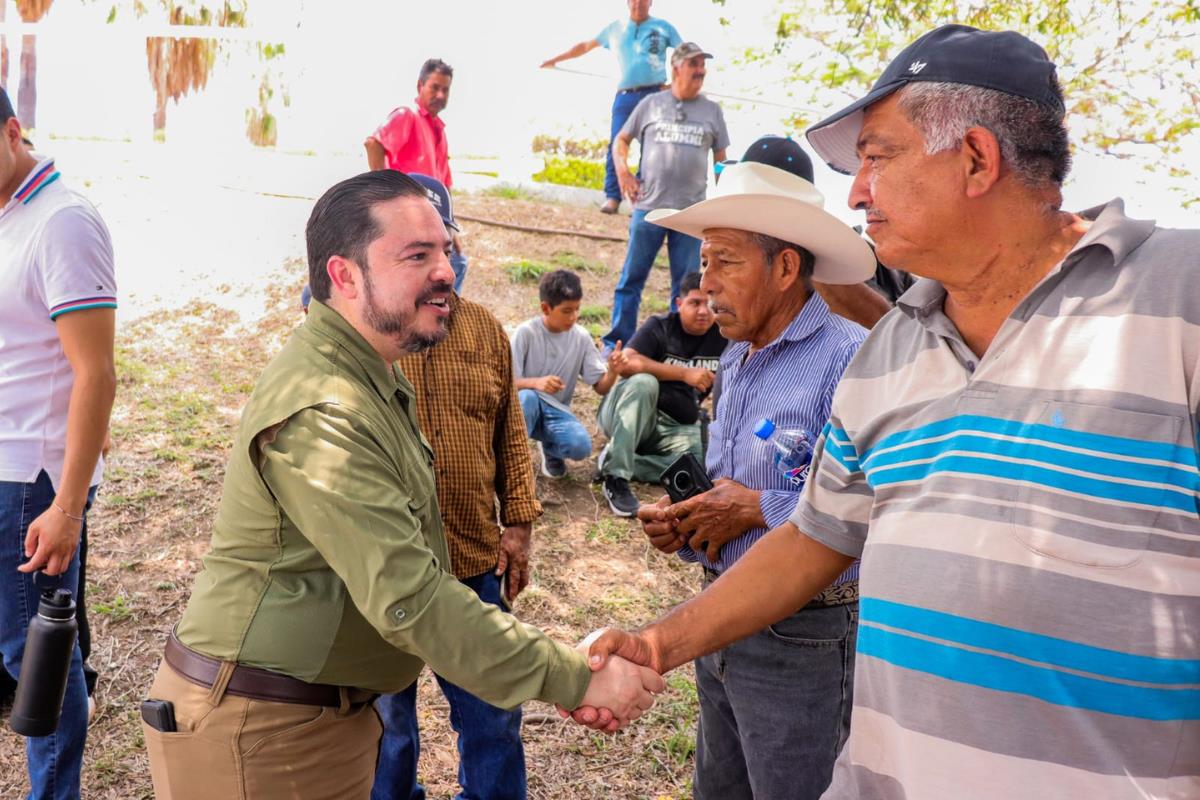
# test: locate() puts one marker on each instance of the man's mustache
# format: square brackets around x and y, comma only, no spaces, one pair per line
[433,290]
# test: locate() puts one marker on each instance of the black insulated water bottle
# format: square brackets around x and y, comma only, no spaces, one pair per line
[46,665]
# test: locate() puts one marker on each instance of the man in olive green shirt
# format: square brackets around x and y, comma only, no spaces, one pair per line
[328,580]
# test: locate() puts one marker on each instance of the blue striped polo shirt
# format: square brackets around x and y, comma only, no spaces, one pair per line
[791,382]
[1029,529]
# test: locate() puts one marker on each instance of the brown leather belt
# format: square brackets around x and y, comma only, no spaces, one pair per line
[258,684]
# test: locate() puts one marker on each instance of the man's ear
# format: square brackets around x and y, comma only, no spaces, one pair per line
[981,160]
[787,269]
[345,277]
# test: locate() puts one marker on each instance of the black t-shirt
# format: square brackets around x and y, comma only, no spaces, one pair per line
[663,338]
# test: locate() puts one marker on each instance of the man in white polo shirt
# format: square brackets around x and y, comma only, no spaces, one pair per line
[57,384]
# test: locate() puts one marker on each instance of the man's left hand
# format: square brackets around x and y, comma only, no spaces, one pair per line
[717,516]
[515,547]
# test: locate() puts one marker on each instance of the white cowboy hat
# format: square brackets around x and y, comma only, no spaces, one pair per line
[763,199]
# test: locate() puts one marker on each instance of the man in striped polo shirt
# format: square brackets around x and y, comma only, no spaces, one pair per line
[57,385]
[774,707]
[1012,454]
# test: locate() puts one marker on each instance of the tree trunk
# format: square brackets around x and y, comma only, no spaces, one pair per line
[27,96]
[3,52]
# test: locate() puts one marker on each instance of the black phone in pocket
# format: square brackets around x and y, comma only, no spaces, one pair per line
[686,477]
[159,714]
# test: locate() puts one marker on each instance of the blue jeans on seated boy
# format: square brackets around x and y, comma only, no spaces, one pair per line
[55,760]
[561,434]
[491,762]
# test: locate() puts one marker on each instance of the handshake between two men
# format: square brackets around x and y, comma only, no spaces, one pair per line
[700,526]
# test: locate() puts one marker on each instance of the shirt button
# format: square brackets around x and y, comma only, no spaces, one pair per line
[970,366]
[398,613]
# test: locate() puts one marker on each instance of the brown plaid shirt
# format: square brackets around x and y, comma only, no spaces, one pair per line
[469,412]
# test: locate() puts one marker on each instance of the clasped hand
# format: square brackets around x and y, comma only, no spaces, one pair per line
[704,522]
[619,691]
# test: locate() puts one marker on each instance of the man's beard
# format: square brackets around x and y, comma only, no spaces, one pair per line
[400,323]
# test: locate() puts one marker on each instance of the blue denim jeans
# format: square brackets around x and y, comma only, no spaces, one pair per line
[775,708]
[491,763]
[458,263]
[55,760]
[561,434]
[622,106]
[645,240]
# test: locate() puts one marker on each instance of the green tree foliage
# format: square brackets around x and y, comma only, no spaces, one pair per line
[1129,69]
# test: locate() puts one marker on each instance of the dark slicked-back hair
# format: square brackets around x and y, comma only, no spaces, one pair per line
[690,283]
[342,224]
[434,65]
[559,287]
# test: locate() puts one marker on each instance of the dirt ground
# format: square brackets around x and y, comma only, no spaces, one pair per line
[185,374]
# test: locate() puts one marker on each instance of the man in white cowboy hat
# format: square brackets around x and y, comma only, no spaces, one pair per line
[775,706]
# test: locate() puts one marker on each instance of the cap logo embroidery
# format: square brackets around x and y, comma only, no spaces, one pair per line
[916,67]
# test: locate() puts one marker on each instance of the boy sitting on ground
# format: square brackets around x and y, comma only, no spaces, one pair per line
[550,353]
[652,415]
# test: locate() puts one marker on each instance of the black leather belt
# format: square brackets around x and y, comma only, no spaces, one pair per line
[257,684]
[647,87]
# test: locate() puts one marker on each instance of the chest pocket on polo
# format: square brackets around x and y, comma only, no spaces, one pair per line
[472,383]
[1094,481]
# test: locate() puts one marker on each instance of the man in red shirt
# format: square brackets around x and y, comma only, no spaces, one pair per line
[413,140]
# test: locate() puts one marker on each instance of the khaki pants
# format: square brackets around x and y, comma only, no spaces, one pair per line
[231,747]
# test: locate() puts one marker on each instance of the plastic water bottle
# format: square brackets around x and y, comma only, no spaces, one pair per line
[46,665]
[791,449]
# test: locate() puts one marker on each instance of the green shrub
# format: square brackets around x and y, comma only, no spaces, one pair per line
[587,149]
[526,271]
[594,314]
[507,192]
[568,260]
[568,171]
[655,305]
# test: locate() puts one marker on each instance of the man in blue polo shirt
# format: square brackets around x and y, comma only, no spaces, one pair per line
[640,44]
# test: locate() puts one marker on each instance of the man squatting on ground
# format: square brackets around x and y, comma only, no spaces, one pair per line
[468,411]
[1012,454]
[327,581]
[57,385]
[652,415]
[774,707]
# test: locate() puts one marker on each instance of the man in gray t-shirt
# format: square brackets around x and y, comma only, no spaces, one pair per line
[677,128]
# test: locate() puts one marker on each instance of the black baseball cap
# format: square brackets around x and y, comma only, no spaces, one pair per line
[6,109]
[781,152]
[1004,61]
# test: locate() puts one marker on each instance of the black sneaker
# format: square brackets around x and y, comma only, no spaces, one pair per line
[551,467]
[620,499]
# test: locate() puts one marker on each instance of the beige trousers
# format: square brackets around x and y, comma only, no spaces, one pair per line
[231,747]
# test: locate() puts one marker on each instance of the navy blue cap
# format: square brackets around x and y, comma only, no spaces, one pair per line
[1004,61]
[781,152]
[6,109]
[439,196]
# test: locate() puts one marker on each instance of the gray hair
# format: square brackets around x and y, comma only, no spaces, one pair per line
[1033,137]
[772,246]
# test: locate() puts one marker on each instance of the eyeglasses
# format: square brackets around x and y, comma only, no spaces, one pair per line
[680,114]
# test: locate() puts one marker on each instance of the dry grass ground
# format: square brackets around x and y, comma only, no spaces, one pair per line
[184,377]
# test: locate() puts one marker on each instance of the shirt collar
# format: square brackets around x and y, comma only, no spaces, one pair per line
[1113,231]
[424,112]
[41,176]
[1110,230]
[327,323]
[810,320]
